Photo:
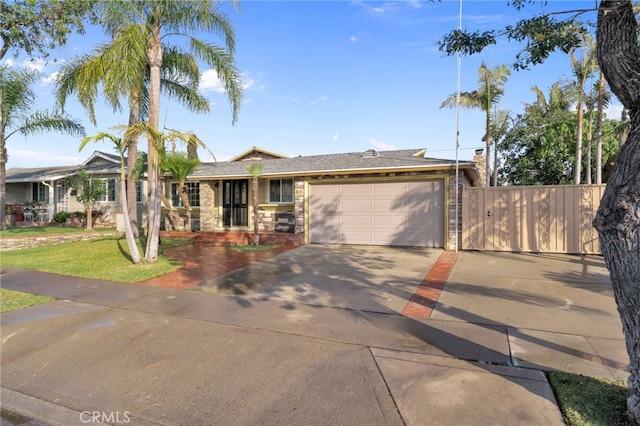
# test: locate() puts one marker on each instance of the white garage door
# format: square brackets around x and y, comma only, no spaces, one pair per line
[383,213]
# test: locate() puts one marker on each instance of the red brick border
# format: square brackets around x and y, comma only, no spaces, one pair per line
[426,296]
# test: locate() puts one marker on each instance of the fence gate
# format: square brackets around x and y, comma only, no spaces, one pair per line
[554,219]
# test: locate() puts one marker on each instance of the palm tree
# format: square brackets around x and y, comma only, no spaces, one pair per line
[163,19]
[180,166]
[122,70]
[490,89]
[121,146]
[603,97]
[16,102]
[583,68]
[255,170]
[499,127]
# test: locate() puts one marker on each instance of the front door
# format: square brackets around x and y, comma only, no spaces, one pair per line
[235,196]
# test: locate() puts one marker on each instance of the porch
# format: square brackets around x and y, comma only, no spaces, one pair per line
[236,238]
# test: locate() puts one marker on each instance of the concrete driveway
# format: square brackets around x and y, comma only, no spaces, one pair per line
[363,278]
[315,336]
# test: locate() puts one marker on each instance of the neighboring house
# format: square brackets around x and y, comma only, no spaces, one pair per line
[401,198]
[47,187]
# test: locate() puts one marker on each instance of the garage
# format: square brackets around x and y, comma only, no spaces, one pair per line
[397,213]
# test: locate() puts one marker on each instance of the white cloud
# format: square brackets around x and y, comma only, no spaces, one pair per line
[35,64]
[321,99]
[335,136]
[353,39]
[380,145]
[51,78]
[209,82]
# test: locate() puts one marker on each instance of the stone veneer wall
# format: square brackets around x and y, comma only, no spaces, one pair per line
[208,212]
[8,243]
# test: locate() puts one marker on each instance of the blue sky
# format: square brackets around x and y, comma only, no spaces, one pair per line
[323,77]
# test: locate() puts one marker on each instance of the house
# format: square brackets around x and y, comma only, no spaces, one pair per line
[401,197]
[47,187]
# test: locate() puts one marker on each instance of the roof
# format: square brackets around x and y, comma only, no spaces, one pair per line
[353,162]
[98,163]
[256,153]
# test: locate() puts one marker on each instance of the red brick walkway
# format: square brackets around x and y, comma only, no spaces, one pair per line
[426,296]
[203,262]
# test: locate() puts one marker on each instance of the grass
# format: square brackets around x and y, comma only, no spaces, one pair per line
[590,401]
[31,231]
[254,248]
[12,300]
[104,258]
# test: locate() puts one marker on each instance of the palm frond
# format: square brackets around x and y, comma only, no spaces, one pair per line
[42,121]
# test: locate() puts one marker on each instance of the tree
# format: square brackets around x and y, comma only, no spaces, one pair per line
[162,19]
[490,89]
[89,190]
[618,218]
[36,26]
[122,70]
[583,68]
[500,123]
[180,166]
[539,149]
[17,100]
[255,170]
[121,147]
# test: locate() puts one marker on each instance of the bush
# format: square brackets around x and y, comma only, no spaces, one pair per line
[60,217]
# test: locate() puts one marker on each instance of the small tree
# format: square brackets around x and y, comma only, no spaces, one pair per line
[255,170]
[121,146]
[180,166]
[88,191]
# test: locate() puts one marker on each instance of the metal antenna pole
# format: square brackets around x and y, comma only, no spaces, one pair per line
[457,221]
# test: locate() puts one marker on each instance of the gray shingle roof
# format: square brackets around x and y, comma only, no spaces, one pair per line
[104,164]
[329,163]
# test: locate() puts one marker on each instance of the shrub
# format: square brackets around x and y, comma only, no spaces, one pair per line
[60,217]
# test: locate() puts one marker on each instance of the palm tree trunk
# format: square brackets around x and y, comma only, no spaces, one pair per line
[599,118]
[256,229]
[132,158]
[154,54]
[128,229]
[588,153]
[3,170]
[487,138]
[184,197]
[578,167]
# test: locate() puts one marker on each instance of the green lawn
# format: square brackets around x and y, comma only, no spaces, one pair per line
[103,258]
[31,231]
[12,300]
[590,401]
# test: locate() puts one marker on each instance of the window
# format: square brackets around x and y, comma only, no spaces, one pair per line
[110,185]
[39,192]
[281,190]
[138,191]
[193,192]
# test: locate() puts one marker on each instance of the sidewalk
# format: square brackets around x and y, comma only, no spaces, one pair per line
[166,356]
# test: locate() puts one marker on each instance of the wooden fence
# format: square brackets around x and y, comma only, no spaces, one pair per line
[553,219]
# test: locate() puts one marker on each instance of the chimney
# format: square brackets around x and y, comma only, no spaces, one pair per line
[481,165]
